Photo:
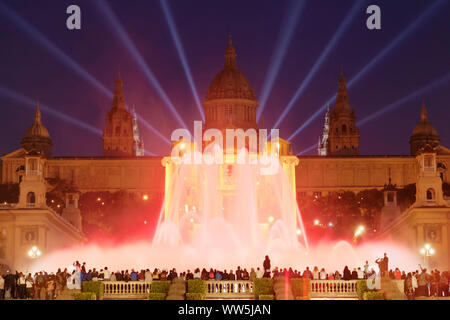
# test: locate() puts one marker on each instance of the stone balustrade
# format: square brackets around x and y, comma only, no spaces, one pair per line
[224,289]
[126,290]
[333,289]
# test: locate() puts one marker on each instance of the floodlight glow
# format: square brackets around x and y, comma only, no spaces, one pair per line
[427,246]
[131,47]
[396,42]
[181,54]
[356,9]
[286,32]
[271,219]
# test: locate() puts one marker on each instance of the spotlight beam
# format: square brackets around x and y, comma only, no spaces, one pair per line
[356,9]
[284,38]
[37,36]
[402,36]
[26,101]
[12,95]
[391,107]
[149,126]
[131,47]
[178,45]
[396,42]
[61,56]
[416,94]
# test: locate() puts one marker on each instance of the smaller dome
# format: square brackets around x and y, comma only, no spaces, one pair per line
[37,129]
[425,127]
[37,137]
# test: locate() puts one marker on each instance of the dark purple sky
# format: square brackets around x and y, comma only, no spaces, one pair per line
[29,68]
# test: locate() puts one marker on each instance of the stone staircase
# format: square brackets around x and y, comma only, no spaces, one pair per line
[282,289]
[177,290]
[67,294]
[393,289]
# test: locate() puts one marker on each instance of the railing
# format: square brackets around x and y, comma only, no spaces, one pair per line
[126,290]
[241,289]
[334,289]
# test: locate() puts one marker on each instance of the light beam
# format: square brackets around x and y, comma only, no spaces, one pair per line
[12,95]
[416,94]
[131,47]
[63,57]
[11,15]
[396,42]
[26,101]
[356,9]
[181,54]
[284,38]
[391,107]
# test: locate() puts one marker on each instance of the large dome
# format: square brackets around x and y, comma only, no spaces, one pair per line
[230,83]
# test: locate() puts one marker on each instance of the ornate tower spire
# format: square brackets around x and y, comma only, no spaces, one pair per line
[118,140]
[342,95]
[119,97]
[343,138]
[230,54]
[424,112]
[37,115]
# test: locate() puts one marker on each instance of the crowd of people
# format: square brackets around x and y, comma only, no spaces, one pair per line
[47,286]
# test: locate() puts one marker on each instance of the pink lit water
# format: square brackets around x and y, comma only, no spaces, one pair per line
[227,216]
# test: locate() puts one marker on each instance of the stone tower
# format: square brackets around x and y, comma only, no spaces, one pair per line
[118,139]
[32,187]
[71,212]
[429,184]
[424,133]
[37,137]
[230,101]
[343,139]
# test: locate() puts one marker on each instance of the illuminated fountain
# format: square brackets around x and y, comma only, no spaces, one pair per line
[228,214]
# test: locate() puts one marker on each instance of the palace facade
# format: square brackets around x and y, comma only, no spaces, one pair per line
[231,103]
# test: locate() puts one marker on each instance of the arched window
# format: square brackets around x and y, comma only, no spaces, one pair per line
[431,194]
[31,199]
[344,129]
[117,131]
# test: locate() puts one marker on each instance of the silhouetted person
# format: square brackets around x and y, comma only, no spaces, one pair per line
[347,274]
[266,266]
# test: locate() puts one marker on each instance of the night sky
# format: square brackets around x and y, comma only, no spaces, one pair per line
[29,68]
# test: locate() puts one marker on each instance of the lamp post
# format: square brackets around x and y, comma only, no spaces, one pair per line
[34,253]
[427,252]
